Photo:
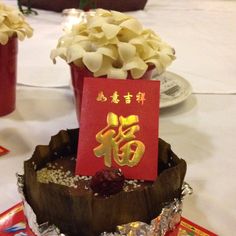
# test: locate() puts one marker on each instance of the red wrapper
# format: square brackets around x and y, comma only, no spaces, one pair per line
[3,151]
[14,223]
[188,228]
[119,119]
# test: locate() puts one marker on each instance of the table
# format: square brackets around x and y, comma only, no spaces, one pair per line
[201,130]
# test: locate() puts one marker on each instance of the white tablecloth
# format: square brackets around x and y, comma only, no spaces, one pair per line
[203,34]
[201,130]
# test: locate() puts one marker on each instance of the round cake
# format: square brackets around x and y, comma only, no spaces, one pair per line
[61,198]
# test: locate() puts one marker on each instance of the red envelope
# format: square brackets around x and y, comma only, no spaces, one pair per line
[13,222]
[188,228]
[3,151]
[119,127]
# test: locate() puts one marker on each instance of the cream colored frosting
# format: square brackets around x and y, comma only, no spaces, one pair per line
[110,43]
[12,22]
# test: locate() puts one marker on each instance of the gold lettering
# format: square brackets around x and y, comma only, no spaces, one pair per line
[117,141]
[128,98]
[140,97]
[115,97]
[101,97]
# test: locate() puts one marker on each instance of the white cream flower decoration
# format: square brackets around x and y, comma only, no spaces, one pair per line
[111,43]
[12,22]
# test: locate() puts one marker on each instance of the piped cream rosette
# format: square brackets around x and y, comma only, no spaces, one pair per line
[12,22]
[110,43]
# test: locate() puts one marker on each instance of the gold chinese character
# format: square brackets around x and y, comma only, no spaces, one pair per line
[140,97]
[128,98]
[117,141]
[115,97]
[183,232]
[101,97]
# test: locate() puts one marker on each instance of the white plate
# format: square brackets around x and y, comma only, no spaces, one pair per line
[174,89]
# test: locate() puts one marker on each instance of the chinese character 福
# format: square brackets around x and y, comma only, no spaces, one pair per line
[117,141]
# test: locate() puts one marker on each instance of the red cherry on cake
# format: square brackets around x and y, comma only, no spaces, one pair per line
[107,182]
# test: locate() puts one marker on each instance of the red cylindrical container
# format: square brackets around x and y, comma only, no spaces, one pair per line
[77,76]
[8,72]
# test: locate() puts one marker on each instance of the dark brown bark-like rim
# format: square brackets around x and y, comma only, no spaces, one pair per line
[88,215]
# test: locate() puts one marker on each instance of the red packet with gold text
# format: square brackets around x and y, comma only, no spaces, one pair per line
[188,228]
[119,127]
[14,223]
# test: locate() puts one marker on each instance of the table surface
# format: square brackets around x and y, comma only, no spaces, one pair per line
[201,129]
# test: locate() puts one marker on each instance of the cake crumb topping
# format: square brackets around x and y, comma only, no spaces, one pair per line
[57,174]
[131,185]
[53,174]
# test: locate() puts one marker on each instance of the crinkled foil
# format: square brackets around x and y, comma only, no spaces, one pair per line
[40,230]
[166,221]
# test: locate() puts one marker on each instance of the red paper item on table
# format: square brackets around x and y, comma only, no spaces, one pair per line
[3,151]
[14,223]
[119,127]
[188,228]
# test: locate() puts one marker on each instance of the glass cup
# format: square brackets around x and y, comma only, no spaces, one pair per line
[74,16]
[8,73]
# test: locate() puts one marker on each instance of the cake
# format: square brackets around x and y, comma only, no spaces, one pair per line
[67,201]
[60,5]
